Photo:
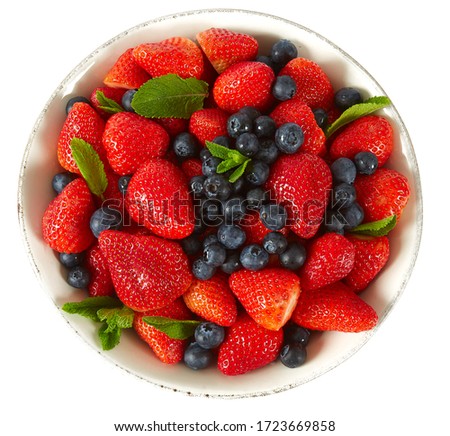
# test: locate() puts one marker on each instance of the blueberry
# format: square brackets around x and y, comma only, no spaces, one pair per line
[214,254]
[284,88]
[74,100]
[347,97]
[211,211]
[196,185]
[202,270]
[254,257]
[289,137]
[204,154]
[343,195]
[321,117]
[231,236]
[210,239]
[105,218]
[295,333]
[197,357]
[273,216]
[247,144]
[353,216]
[185,145]
[70,260]
[239,123]
[283,51]
[293,355]
[251,112]
[275,243]
[199,226]
[209,335]
[234,209]
[294,256]
[222,140]
[334,221]
[61,180]
[123,184]
[256,197]
[127,98]
[366,162]
[78,277]
[238,186]
[232,263]
[209,165]
[264,126]
[217,186]
[258,173]
[191,245]
[343,170]
[268,151]
[266,60]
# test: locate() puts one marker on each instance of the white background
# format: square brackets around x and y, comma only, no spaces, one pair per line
[53,383]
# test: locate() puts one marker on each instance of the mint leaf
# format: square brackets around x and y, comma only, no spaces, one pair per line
[357,111]
[238,172]
[218,150]
[174,328]
[376,228]
[170,96]
[107,104]
[116,317]
[90,306]
[109,338]
[90,165]
[226,165]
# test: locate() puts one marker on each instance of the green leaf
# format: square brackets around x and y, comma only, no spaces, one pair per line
[238,172]
[174,328]
[116,317]
[107,104]
[376,228]
[218,150]
[170,96]
[226,165]
[357,111]
[109,338]
[90,165]
[91,305]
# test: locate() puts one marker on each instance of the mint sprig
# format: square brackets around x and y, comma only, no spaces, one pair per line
[357,111]
[174,328]
[107,104]
[170,96]
[230,159]
[376,228]
[90,165]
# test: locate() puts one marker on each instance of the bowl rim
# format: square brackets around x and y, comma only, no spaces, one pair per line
[403,131]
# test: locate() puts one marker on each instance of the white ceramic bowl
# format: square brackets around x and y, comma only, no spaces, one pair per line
[326,350]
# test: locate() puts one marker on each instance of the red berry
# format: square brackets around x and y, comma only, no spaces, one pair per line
[254,228]
[112,93]
[192,167]
[207,124]
[100,283]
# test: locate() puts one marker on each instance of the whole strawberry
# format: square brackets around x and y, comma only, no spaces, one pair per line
[166,349]
[370,133]
[269,296]
[192,167]
[158,198]
[382,194]
[371,254]
[100,283]
[173,126]
[244,84]
[330,258]
[248,346]
[224,47]
[130,140]
[207,124]
[65,224]
[212,300]
[177,55]
[254,228]
[148,272]
[313,85]
[334,308]
[115,94]
[301,182]
[85,123]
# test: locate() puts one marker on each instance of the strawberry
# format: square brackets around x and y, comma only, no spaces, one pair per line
[371,254]
[112,197]
[115,94]
[158,198]
[248,346]
[101,283]
[177,55]
[212,300]
[382,194]
[330,258]
[313,85]
[296,111]
[126,73]
[334,308]
[147,272]
[85,123]
[301,182]
[224,48]
[192,167]
[173,126]
[254,228]
[130,140]
[167,350]
[244,84]
[269,296]
[370,133]
[207,124]
[65,224]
